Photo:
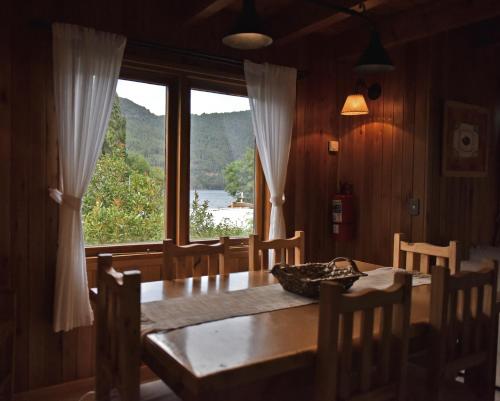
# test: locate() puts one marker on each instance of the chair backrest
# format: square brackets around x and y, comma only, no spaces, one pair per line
[7,335]
[181,261]
[443,255]
[234,249]
[118,354]
[463,319]
[353,328]
[289,251]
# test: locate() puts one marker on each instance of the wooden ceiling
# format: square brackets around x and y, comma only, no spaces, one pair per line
[290,20]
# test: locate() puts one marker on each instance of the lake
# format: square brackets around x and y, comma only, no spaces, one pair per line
[218,203]
[217,199]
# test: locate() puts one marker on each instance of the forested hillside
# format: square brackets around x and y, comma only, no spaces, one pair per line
[217,139]
[145,132]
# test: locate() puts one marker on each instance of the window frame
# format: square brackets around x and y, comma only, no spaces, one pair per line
[179,81]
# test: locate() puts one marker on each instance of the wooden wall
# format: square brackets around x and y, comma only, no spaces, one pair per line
[384,155]
[5,155]
[394,154]
[464,70]
[33,225]
[312,171]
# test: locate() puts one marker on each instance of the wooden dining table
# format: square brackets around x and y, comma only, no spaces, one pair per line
[268,356]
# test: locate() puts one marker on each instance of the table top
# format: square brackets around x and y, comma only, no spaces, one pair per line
[208,356]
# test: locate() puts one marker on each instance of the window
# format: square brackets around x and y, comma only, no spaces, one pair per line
[125,200]
[222,166]
[178,161]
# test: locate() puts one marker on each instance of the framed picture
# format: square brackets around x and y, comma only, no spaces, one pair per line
[465,140]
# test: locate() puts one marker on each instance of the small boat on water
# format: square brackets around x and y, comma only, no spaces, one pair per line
[241,202]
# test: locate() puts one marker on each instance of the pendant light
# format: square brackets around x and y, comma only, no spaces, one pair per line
[247,33]
[375,57]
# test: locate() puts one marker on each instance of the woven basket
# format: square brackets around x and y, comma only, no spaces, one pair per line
[306,279]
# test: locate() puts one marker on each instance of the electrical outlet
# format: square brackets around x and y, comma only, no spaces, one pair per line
[414,207]
[333,146]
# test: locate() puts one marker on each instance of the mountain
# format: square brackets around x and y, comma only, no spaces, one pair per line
[145,132]
[217,139]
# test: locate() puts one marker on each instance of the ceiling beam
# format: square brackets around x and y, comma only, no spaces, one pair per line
[323,18]
[206,9]
[420,22]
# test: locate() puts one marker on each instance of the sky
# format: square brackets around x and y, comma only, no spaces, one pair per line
[153,98]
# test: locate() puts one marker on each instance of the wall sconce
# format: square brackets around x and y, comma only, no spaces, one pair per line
[355,104]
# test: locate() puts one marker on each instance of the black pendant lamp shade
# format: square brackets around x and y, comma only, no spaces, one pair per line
[247,33]
[375,57]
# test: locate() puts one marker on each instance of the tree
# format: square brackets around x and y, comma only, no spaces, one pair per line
[124,201]
[122,205]
[239,176]
[116,132]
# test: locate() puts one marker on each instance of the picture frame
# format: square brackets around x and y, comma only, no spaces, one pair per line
[465,140]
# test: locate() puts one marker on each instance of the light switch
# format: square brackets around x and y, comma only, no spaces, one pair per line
[414,207]
[333,146]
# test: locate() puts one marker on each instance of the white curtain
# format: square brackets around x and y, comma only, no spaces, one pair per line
[86,68]
[271,93]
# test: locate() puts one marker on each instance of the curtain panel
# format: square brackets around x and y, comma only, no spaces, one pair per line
[271,93]
[86,69]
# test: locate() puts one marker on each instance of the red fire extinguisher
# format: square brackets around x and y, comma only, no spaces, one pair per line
[344,217]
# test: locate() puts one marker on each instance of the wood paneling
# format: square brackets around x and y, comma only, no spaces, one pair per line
[312,171]
[394,154]
[383,156]
[463,208]
[5,154]
[377,154]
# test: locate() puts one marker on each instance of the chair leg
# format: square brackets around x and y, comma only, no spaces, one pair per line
[473,379]
[481,381]
[435,387]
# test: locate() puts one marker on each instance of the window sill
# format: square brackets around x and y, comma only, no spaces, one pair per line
[147,247]
[143,247]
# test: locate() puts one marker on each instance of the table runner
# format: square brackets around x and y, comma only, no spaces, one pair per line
[175,313]
[383,277]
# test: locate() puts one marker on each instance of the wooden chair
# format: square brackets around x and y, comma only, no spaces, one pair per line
[290,251]
[464,325]
[373,366]
[194,260]
[118,342]
[7,335]
[442,254]
[234,249]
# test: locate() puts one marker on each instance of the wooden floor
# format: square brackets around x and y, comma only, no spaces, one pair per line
[74,391]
